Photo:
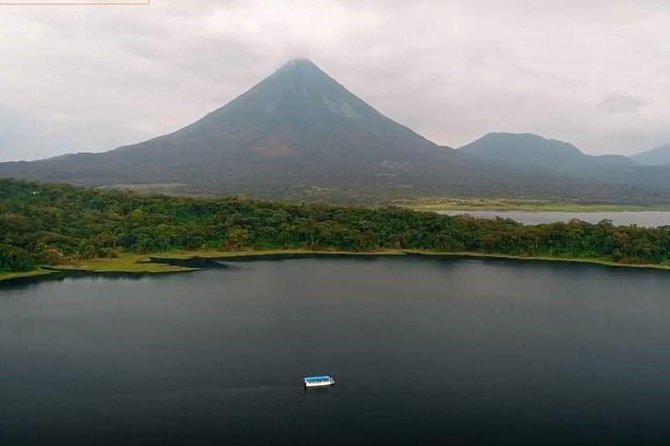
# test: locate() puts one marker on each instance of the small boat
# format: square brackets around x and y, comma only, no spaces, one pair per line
[318,381]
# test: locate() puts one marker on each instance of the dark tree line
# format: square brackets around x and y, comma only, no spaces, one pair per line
[50,224]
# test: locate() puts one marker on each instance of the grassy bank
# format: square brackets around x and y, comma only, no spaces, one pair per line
[490,204]
[213,254]
[146,266]
[5,276]
[124,263]
[232,255]
[143,264]
[156,263]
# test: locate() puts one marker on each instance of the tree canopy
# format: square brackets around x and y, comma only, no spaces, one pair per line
[49,224]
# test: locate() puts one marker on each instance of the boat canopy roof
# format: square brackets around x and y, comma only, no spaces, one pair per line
[317,378]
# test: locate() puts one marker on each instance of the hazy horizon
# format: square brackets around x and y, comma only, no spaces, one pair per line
[94,78]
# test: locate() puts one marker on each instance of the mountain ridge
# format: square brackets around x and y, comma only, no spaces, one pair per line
[658,156]
[300,134]
[528,149]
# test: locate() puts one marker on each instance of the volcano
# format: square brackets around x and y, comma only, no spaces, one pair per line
[300,134]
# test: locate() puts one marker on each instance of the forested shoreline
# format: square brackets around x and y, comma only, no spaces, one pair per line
[43,224]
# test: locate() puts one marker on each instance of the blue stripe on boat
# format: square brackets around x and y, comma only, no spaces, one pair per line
[317,378]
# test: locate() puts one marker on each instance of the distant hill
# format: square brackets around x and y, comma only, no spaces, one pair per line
[534,153]
[299,134]
[659,156]
[529,150]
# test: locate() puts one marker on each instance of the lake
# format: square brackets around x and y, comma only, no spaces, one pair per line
[424,351]
[644,218]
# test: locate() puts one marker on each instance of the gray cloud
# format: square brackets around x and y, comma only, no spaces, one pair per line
[620,103]
[87,78]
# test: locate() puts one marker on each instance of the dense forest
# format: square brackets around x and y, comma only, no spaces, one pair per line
[51,224]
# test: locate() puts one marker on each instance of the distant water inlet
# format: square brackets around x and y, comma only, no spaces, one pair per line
[424,351]
[645,218]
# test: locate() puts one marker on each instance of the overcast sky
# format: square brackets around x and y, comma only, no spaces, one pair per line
[90,78]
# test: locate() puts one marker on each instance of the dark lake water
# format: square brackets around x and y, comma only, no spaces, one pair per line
[424,351]
[646,218]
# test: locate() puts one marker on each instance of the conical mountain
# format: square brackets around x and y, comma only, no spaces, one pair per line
[297,128]
[301,99]
[299,134]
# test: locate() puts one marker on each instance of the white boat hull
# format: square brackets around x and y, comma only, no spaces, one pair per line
[328,383]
